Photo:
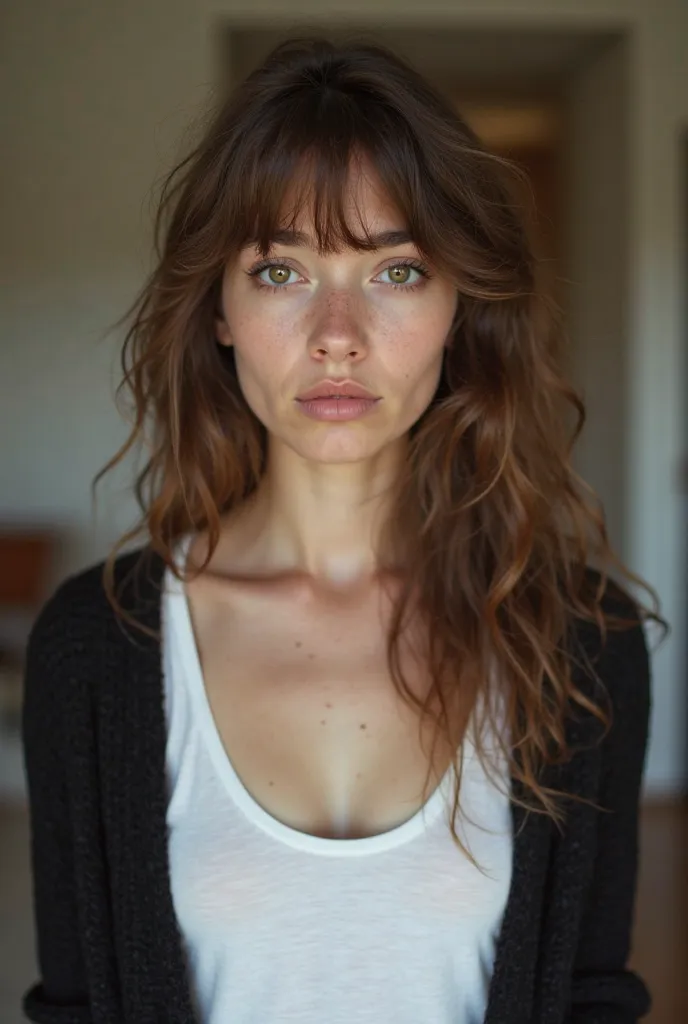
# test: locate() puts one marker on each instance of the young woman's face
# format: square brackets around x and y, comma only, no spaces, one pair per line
[369,317]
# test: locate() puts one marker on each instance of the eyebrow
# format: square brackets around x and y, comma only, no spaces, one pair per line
[288,236]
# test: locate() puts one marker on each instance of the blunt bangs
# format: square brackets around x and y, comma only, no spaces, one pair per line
[308,163]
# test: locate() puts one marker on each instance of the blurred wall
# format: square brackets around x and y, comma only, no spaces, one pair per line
[94,99]
[597,231]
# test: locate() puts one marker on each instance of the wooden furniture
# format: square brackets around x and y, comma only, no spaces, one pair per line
[25,563]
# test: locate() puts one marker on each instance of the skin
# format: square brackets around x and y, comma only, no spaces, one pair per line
[320,508]
[291,614]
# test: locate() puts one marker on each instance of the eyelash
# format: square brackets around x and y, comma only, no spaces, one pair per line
[276,262]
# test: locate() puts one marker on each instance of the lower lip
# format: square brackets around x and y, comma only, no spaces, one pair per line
[336,408]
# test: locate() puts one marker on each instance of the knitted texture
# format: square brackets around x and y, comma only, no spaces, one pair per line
[109,947]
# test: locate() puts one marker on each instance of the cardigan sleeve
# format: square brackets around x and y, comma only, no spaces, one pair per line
[60,995]
[604,990]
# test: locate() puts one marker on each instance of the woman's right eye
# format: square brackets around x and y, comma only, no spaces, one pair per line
[271,275]
[276,275]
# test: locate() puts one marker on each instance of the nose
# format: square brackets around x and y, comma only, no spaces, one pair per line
[339,329]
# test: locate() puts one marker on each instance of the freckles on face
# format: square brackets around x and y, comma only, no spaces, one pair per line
[335,322]
[265,338]
[379,317]
[339,319]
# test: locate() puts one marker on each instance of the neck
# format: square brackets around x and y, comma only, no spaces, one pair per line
[324,521]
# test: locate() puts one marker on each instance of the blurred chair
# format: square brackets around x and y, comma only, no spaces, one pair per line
[26,558]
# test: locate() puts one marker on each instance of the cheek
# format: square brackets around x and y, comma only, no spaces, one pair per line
[264,355]
[259,328]
[414,352]
[413,359]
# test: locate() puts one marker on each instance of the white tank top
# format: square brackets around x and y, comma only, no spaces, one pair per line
[281,926]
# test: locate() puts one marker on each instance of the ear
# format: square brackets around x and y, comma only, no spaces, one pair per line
[222,331]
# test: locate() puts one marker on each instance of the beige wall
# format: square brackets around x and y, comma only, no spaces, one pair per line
[94,98]
[597,175]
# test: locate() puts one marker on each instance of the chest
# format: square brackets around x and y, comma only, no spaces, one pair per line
[302,699]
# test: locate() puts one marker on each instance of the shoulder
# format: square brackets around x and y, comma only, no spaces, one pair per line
[622,645]
[612,667]
[68,641]
[78,614]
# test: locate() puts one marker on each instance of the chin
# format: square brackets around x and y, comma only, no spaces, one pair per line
[337,449]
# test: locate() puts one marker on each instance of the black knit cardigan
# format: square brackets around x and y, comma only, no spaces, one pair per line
[109,947]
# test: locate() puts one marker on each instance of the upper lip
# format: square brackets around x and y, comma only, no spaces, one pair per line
[338,388]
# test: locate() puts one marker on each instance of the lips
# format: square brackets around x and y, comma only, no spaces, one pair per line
[337,389]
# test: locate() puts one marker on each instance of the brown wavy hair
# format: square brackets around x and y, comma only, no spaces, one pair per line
[498,531]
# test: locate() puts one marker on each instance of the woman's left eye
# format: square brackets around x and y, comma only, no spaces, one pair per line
[406,275]
[401,275]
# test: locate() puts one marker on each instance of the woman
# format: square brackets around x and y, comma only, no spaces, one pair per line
[357,733]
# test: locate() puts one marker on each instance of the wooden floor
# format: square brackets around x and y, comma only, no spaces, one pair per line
[660,951]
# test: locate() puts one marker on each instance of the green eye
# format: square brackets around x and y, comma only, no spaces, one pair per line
[400,275]
[278,274]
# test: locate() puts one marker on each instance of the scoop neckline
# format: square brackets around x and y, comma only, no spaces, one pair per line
[426,815]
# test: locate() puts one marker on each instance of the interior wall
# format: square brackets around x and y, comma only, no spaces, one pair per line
[95,101]
[596,212]
[658,368]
